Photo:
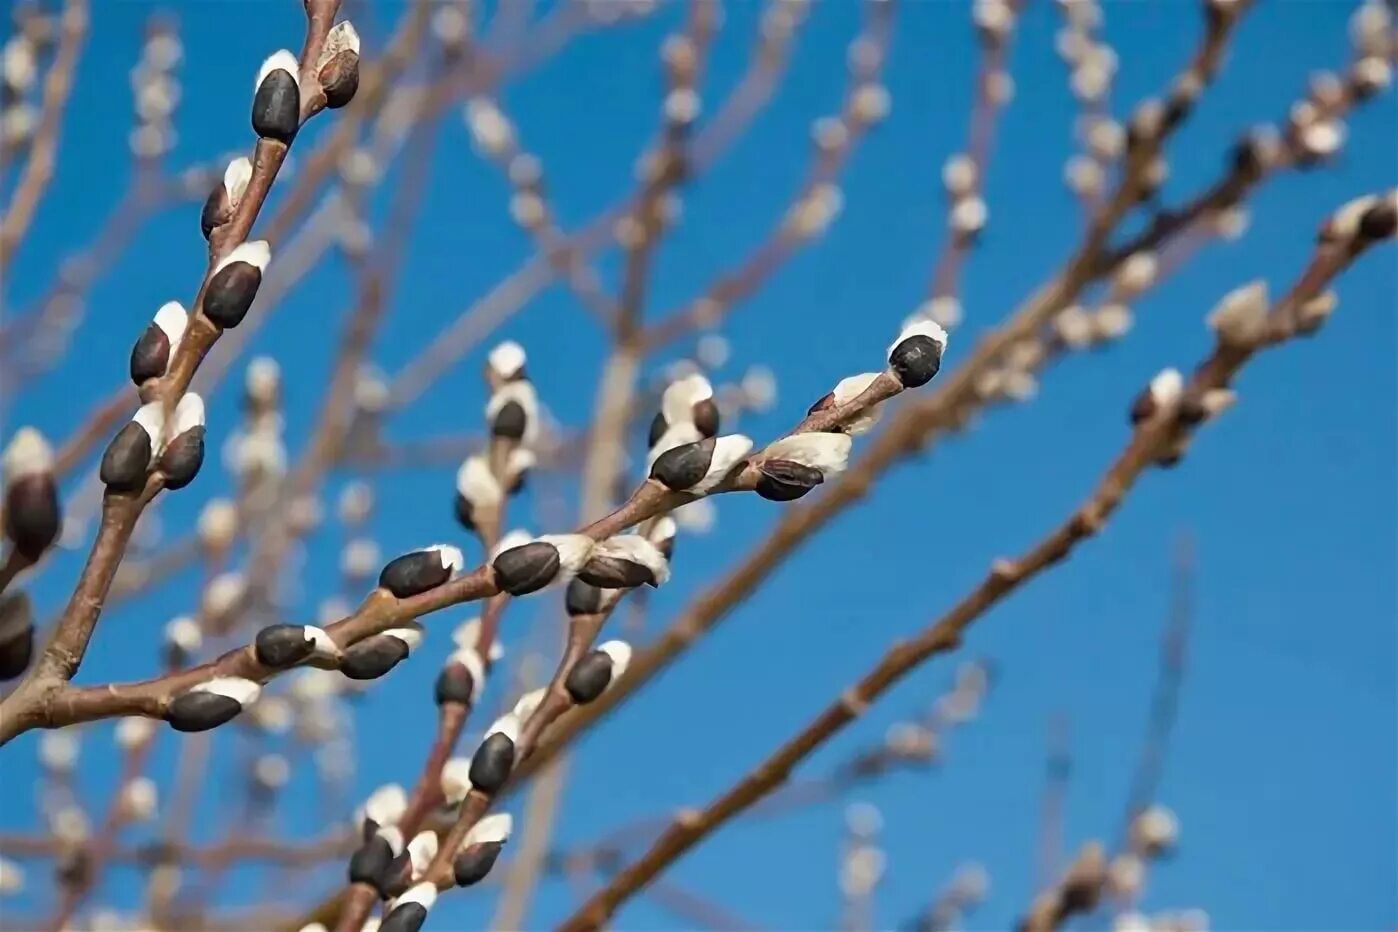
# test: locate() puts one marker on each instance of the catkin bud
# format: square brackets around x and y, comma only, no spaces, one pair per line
[276,107]
[338,65]
[33,517]
[16,635]
[234,283]
[211,703]
[151,355]
[420,570]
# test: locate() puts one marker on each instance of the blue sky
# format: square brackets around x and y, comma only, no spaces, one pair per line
[1282,769]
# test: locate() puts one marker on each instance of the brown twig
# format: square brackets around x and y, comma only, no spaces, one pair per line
[1162,435]
[43,153]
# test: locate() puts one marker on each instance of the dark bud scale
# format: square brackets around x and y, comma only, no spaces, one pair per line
[454,684]
[582,598]
[614,573]
[282,646]
[657,429]
[589,677]
[182,458]
[372,657]
[916,360]
[231,292]
[526,568]
[491,765]
[16,635]
[32,514]
[510,421]
[369,865]
[217,211]
[784,480]
[339,78]
[408,917]
[706,417]
[127,459]
[473,864]
[683,467]
[1379,221]
[414,572]
[151,355]
[276,108]
[200,711]
[465,512]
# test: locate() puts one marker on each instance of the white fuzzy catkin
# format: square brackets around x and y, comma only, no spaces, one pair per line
[827,452]
[680,396]
[850,388]
[507,359]
[728,451]
[620,652]
[574,550]
[477,484]
[636,549]
[282,59]
[256,253]
[492,828]
[240,690]
[917,325]
[27,454]
[386,805]
[456,780]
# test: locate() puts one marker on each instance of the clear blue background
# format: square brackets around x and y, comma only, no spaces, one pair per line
[1283,765]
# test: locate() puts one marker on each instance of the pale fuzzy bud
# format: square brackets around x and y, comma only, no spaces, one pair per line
[620,652]
[1316,311]
[680,396]
[512,539]
[1074,326]
[1167,387]
[827,452]
[27,454]
[995,18]
[1106,139]
[450,25]
[1136,274]
[870,104]
[1083,176]
[682,106]
[528,703]
[1131,921]
[633,548]
[945,310]
[58,751]
[759,386]
[1090,81]
[1126,875]
[1000,87]
[139,799]
[456,779]
[507,725]
[1369,26]
[421,850]
[507,360]
[960,175]
[574,550]
[1327,90]
[850,388]
[1239,317]
[1112,321]
[1373,73]
[812,215]
[184,634]
[222,595]
[490,129]
[969,216]
[477,484]
[263,380]
[528,210]
[525,171]
[1232,223]
[360,558]
[218,523]
[729,450]
[1323,138]
[492,828]
[1344,222]
[70,825]
[132,731]
[11,877]
[386,805]
[1155,829]
[712,350]
[830,133]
